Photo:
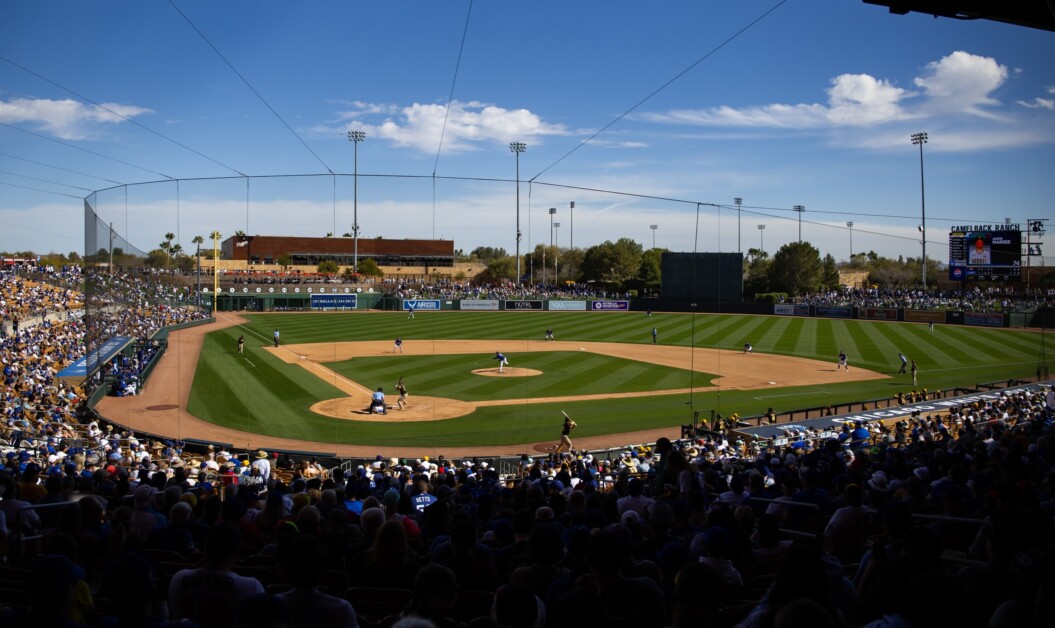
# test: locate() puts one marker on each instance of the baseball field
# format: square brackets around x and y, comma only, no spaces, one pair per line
[602,369]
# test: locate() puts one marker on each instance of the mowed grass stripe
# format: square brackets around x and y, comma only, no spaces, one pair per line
[241,396]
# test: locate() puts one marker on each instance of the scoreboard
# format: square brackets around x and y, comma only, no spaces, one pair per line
[984,252]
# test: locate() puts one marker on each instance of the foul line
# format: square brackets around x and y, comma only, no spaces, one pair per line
[809,392]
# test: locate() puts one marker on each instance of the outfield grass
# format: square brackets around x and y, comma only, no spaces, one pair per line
[267,396]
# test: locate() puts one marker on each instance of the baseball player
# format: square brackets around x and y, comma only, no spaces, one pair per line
[276,337]
[241,345]
[842,361]
[654,335]
[502,361]
[410,310]
[915,372]
[904,363]
[401,388]
[565,433]
[398,346]
[549,333]
[748,348]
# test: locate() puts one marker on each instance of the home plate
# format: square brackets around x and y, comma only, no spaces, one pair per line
[771,383]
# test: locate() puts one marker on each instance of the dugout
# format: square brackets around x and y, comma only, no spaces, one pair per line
[702,277]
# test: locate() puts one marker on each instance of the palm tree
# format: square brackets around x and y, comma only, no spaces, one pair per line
[198,241]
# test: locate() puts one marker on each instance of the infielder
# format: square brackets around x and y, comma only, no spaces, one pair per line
[748,348]
[398,346]
[842,361]
[654,335]
[904,362]
[549,333]
[565,433]
[502,361]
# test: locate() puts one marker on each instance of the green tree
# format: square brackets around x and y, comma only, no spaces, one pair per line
[285,260]
[329,267]
[830,273]
[158,258]
[500,269]
[649,271]
[612,262]
[488,253]
[369,268]
[796,269]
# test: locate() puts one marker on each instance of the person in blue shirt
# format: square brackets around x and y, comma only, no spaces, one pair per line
[502,361]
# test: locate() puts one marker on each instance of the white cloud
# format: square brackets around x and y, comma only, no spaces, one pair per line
[769,116]
[959,83]
[468,123]
[66,119]
[860,99]
[1040,103]
[962,82]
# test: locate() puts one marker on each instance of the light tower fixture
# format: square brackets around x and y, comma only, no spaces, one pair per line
[653,228]
[355,137]
[552,212]
[556,238]
[850,226]
[517,148]
[919,139]
[739,202]
[571,215]
[761,240]
[800,209]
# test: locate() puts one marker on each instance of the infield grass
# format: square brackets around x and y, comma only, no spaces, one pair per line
[259,393]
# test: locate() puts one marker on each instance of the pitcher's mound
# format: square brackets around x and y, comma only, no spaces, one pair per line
[507,372]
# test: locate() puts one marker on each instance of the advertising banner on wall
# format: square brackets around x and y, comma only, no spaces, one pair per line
[833,312]
[566,306]
[523,305]
[924,316]
[610,306]
[478,304]
[877,313]
[331,301]
[989,319]
[788,309]
[421,304]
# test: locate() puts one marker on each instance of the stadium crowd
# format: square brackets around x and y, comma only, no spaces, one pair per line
[976,300]
[929,521]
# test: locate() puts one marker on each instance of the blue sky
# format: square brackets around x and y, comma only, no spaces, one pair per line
[635,111]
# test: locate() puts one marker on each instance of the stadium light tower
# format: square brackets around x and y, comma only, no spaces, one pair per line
[571,215]
[552,212]
[850,226]
[739,204]
[761,240]
[920,139]
[556,238]
[355,137]
[653,228]
[799,209]
[517,148]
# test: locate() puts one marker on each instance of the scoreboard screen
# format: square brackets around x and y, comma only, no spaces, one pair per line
[981,252]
